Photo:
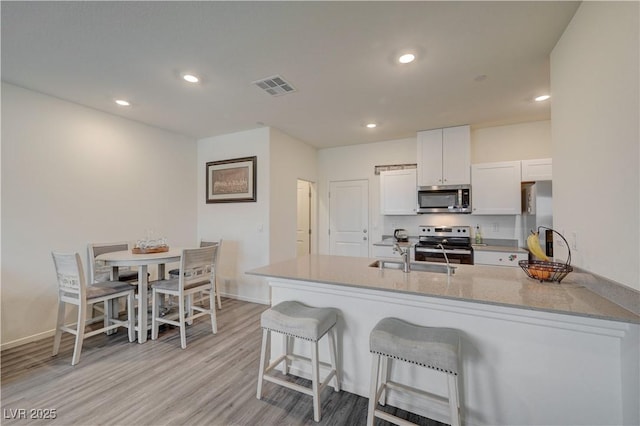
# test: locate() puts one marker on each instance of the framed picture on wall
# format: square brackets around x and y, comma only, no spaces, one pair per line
[231,181]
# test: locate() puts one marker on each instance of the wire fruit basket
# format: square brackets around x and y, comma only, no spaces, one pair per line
[542,270]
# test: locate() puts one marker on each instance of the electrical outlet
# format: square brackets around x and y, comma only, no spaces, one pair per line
[495,227]
[559,241]
[574,241]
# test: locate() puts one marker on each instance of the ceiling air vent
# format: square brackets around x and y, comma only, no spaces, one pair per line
[275,86]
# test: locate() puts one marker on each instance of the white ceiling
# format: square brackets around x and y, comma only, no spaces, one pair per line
[340,56]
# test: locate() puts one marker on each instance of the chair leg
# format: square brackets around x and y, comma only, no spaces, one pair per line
[212,312]
[266,347]
[189,309]
[373,389]
[315,380]
[154,314]
[287,342]
[334,356]
[131,317]
[183,326]
[77,349]
[107,306]
[453,399]
[59,324]
[384,377]
[217,292]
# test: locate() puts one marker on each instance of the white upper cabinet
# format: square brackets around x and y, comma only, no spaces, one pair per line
[398,193]
[536,170]
[495,188]
[444,156]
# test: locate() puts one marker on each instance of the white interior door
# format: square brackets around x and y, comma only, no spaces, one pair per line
[349,218]
[303,230]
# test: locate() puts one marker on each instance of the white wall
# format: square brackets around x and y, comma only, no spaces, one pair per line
[72,175]
[503,143]
[595,129]
[523,141]
[244,227]
[290,160]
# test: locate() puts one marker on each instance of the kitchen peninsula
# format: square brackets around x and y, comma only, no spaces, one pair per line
[533,353]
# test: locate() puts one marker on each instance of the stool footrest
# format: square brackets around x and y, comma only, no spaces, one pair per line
[418,392]
[288,384]
[392,419]
[294,386]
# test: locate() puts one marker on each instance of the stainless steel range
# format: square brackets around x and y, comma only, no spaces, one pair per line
[453,240]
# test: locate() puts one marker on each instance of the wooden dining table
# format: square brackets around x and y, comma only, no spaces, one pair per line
[142,261]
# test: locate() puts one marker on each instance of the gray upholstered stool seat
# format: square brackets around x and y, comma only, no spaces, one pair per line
[433,347]
[295,320]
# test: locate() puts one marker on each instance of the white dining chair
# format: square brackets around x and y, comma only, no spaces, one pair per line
[99,272]
[73,290]
[175,272]
[196,275]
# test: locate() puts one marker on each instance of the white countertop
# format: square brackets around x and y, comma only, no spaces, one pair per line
[473,283]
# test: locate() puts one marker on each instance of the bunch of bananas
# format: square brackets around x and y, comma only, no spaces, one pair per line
[533,243]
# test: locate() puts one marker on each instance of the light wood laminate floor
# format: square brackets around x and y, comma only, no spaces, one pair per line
[212,382]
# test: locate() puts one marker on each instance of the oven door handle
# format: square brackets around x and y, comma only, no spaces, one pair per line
[436,250]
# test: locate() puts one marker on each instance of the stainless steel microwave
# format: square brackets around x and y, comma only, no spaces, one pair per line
[444,199]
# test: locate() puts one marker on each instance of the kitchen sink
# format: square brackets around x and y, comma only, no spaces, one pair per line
[415,266]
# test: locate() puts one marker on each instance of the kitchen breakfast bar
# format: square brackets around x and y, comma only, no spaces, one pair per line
[532,353]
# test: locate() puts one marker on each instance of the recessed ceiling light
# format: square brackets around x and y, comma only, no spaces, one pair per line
[406,58]
[122,102]
[190,78]
[542,98]
[372,125]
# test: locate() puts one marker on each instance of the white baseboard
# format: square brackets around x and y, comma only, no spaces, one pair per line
[246,299]
[28,339]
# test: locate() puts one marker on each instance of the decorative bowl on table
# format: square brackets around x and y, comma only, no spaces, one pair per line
[150,246]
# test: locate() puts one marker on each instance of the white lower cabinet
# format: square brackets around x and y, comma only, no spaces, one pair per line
[498,258]
[384,251]
[495,188]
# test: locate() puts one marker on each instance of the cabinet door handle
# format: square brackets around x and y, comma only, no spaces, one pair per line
[364,230]
[364,238]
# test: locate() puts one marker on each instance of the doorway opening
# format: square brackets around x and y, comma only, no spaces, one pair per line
[305,236]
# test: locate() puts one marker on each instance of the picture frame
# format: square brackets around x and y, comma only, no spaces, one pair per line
[232,181]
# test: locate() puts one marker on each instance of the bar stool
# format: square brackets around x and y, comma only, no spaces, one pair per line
[431,347]
[295,320]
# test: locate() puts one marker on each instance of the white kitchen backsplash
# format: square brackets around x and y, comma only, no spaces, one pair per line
[493,227]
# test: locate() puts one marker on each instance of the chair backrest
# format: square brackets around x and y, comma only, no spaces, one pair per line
[70,275]
[98,271]
[197,266]
[218,244]
[204,243]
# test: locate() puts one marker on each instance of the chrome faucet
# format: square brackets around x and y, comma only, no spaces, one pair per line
[444,252]
[405,254]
